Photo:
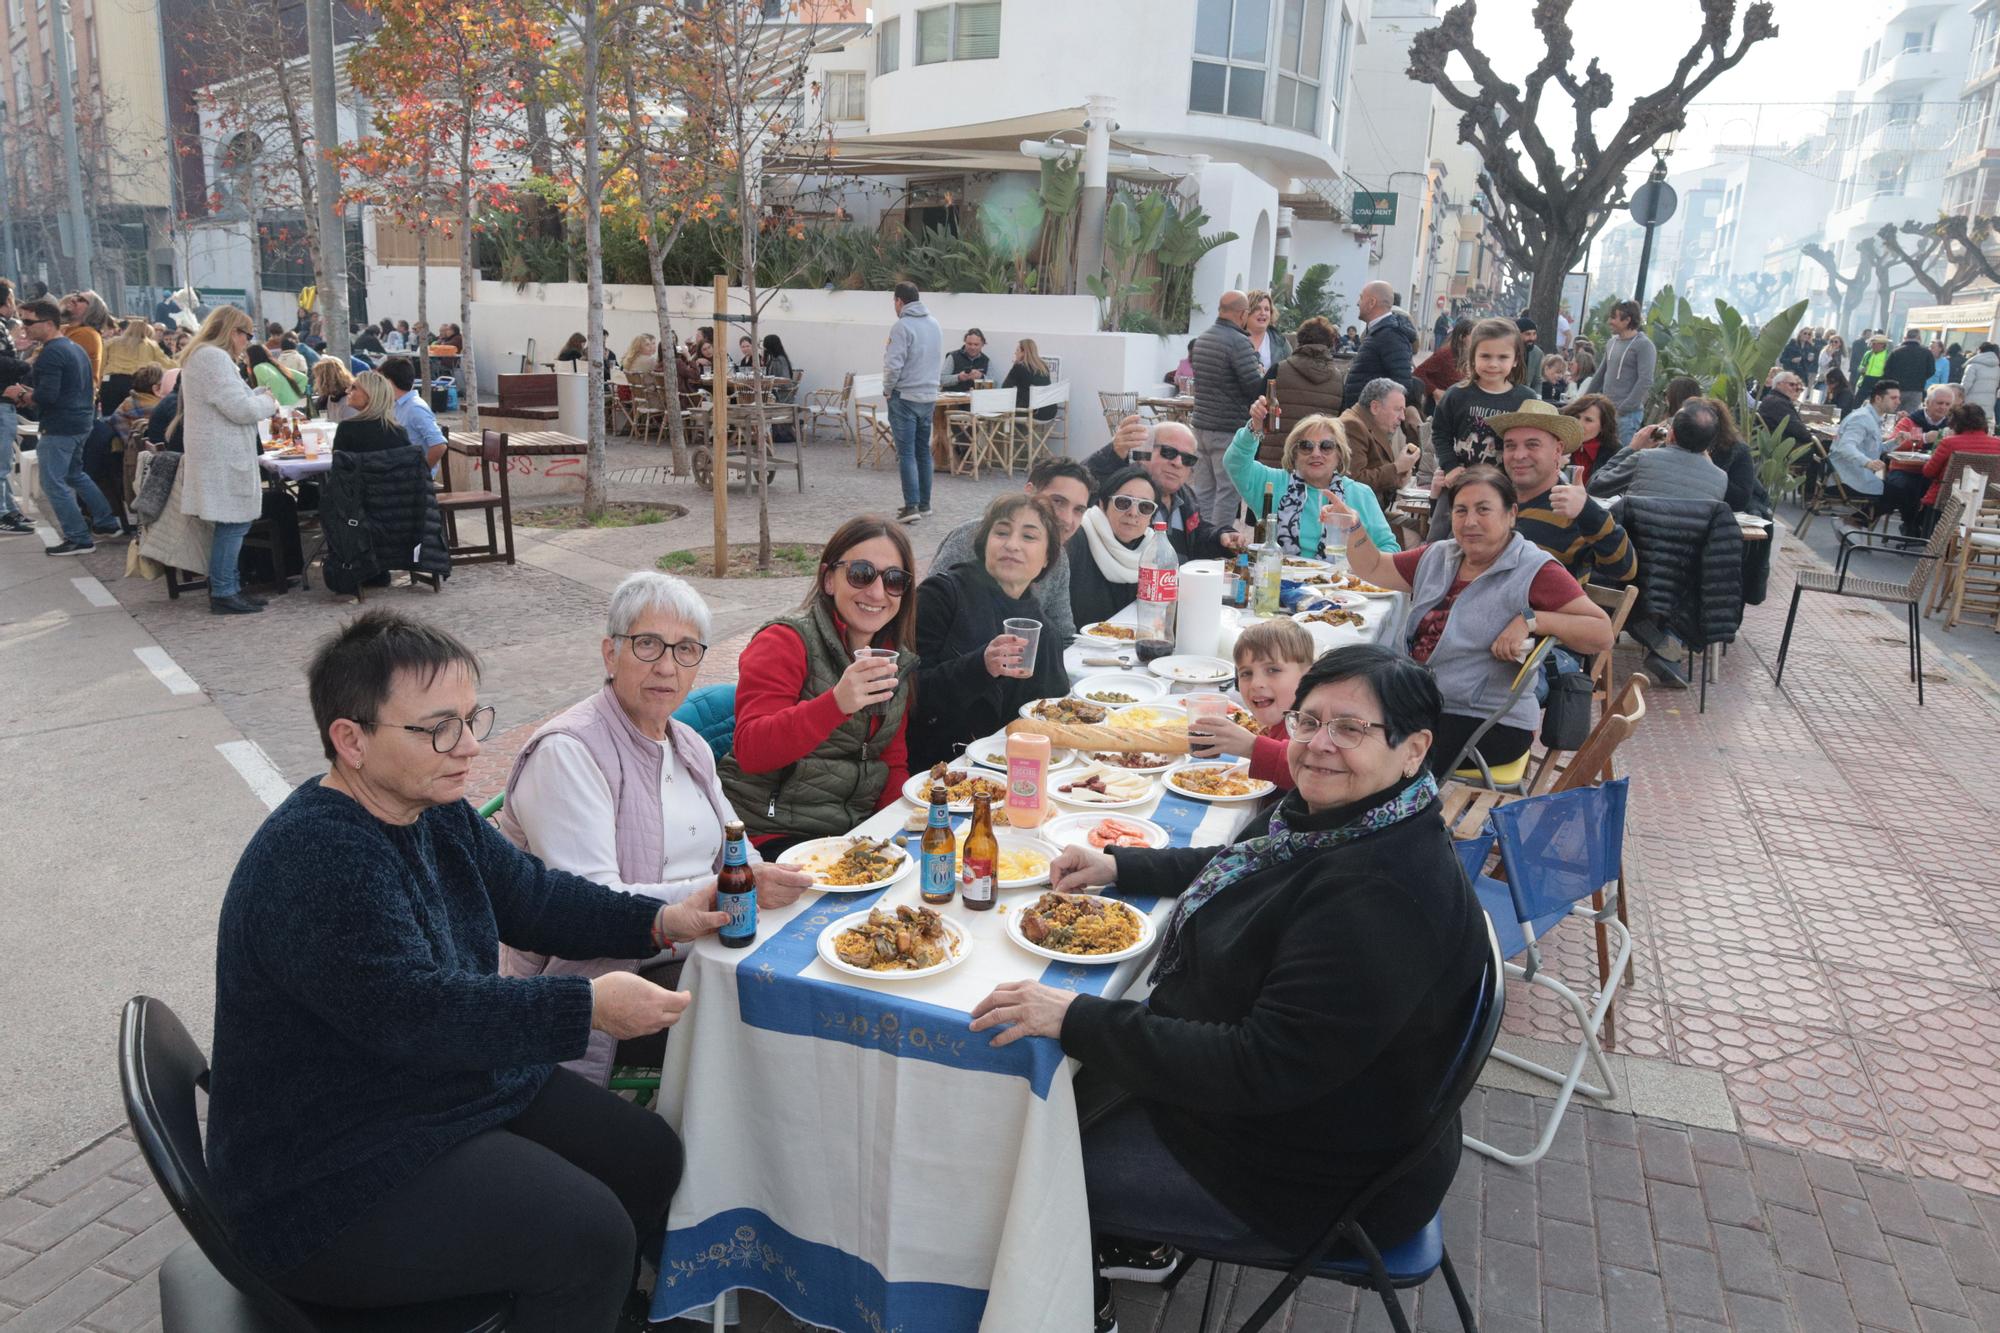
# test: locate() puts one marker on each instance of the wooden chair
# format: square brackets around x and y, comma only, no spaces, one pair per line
[1972,581]
[868,429]
[995,436]
[1909,595]
[747,421]
[1971,485]
[1618,604]
[492,454]
[1046,438]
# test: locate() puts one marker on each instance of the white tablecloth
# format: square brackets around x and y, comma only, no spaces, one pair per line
[293,469]
[1381,617]
[857,1154]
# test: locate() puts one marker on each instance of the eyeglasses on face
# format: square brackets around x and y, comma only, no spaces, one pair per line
[1171,454]
[446,734]
[1128,504]
[863,573]
[651,648]
[1345,732]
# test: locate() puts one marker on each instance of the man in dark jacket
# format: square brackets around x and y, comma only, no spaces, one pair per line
[13,370]
[1167,451]
[63,393]
[1227,378]
[1388,347]
[1911,365]
[1779,412]
[1800,356]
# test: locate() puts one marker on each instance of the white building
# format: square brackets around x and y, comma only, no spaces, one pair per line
[1392,145]
[1244,101]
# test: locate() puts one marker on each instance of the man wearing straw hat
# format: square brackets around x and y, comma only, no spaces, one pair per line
[1562,519]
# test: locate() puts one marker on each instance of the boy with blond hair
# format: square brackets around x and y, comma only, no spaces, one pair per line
[1271,658]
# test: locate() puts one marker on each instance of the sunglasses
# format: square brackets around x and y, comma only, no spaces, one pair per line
[1319,446]
[1168,452]
[862,573]
[1126,504]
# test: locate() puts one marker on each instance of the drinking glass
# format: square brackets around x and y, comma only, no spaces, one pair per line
[1031,630]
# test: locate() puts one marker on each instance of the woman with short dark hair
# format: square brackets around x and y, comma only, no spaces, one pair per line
[1310,995]
[386,1122]
[971,676]
[1104,553]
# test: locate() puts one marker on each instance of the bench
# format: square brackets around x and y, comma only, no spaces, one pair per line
[528,397]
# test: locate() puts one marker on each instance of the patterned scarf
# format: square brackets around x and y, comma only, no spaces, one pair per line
[1242,859]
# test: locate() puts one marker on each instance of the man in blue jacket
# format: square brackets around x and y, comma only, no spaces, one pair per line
[65,400]
[910,369]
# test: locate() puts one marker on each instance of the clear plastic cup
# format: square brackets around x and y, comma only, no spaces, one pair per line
[866,654]
[1031,630]
[1203,708]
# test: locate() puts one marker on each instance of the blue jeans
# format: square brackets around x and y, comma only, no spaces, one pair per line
[910,423]
[223,578]
[66,483]
[1628,423]
[10,427]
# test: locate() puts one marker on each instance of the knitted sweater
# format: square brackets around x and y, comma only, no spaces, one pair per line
[360,1028]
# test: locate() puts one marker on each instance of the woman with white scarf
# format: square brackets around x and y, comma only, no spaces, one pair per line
[1104,553]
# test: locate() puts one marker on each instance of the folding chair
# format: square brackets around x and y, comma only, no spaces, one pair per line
[1618,604]
[995,435]
[1044,436]
[1509,776]
[1361,1262]
[1560,852]
[874,443]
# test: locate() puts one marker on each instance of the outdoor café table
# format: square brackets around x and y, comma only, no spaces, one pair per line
[947,403]
[856,1153]
[1179,409]
[296,469]
[1381,616]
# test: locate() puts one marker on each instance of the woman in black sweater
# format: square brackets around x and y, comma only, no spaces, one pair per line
[387,1124]
[1104,553]
[371,416]
[1310,993]
[970,680]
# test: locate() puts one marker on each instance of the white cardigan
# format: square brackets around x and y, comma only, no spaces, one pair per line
[219,416]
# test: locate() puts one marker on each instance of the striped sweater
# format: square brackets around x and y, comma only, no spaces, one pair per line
[1591,546]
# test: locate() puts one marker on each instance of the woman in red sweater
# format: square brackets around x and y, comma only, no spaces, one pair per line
[819,726]
[1967,427]
[1598,416]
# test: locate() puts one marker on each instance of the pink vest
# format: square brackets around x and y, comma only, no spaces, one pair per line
[630,762]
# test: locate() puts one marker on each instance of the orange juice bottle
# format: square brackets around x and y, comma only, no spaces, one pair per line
[1027,781]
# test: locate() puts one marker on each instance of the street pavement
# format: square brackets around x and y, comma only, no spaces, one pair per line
[1811,874]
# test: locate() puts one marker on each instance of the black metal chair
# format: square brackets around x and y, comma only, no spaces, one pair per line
[1362,1263]
[205,1285]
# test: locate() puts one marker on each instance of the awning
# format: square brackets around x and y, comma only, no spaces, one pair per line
[990,145]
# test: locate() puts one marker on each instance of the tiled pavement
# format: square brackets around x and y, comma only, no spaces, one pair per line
[1813,872]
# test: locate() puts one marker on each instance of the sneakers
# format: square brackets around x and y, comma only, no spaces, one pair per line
[1134,1261]
[72,548]
[909,514]
[237,605]
[13,525]
[1665,672]
[924,510]
[1107,1307]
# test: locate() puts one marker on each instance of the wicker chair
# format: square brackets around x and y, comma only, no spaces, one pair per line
[830,405]
[1116,407]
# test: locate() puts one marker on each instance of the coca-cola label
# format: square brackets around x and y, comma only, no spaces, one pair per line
[1159,585]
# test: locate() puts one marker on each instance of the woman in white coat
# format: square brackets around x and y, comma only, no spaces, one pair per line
[219,415]
[1982,378]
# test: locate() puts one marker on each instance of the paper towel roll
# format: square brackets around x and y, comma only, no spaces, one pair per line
[1200,612]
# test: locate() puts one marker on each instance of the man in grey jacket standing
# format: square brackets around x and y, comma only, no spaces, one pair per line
[1625,375]
[910,371]
[1227,378]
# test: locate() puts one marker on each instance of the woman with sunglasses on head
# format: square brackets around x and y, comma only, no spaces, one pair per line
[819,742]
[615,789]
[973,676]
[1104,553]
[1314,463]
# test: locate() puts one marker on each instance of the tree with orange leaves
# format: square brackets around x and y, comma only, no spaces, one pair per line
[444,77]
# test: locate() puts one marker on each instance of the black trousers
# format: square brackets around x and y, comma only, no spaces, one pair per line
[1903,493]
[553,1207]
[1501,745]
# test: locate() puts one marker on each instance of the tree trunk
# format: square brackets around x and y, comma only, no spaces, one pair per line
[747,210]
[656,270]
[594,481]
[424,310]
[1552,265]
[468,376]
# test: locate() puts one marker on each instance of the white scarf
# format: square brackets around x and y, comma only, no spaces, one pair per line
[1115,560]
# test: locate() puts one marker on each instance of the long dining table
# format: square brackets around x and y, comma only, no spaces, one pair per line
[854,1151]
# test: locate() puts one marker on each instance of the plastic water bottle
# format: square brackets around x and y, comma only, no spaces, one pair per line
[1159,589]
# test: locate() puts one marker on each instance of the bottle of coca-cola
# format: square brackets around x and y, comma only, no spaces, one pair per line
[1159,589]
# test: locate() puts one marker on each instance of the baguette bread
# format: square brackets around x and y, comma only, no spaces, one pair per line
[1122,740]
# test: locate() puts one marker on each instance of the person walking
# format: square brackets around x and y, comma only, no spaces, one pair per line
[63,391]
[1625,375]
[1227,378]
[910,368]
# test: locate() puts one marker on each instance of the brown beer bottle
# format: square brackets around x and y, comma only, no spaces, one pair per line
[938,851]
[736,891]
[980,861]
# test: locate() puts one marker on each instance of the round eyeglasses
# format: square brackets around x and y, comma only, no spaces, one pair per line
[651,648]
[446,734]
[1345,732]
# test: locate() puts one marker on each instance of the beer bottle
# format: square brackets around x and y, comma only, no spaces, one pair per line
[736,891]
[1267,523]
[981,858]
[939,851]
[1275,423]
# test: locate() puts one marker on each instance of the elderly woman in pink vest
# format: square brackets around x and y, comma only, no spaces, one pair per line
[615,790]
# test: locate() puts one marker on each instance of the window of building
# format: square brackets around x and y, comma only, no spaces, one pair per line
[1301,49]
[1464,263]
[1232,47]
[1913,41]
[1986,28]
[1343,53]
[888,43]
[1903,112]
[847,94]
[958,32]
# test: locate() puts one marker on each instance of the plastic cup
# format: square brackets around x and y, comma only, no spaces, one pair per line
[872,654]
[1031,630]
[1204,708]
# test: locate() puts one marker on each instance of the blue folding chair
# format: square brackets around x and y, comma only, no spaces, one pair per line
[1409,1264]
[1558,851]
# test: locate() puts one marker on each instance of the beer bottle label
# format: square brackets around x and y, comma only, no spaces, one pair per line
[978,880]
[940,816]
[937,875]
[742,909]
[736,852]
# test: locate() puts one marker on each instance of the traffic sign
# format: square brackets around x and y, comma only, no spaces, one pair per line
[1653,203]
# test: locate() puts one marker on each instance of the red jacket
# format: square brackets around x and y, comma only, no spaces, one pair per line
[1439,371]
[1940,460]
[1267,758]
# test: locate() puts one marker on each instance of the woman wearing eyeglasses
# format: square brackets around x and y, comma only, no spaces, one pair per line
[616,790]
[1104,553]
[819,742]
[1314,463]
[387,1121]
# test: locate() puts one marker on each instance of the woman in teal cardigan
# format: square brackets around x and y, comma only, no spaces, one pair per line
[1315,459]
